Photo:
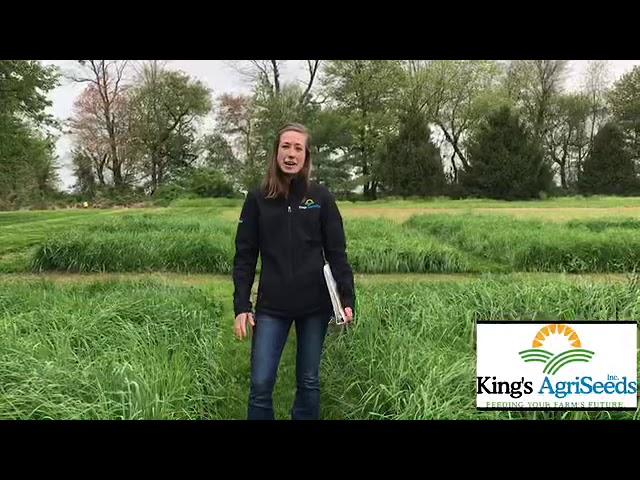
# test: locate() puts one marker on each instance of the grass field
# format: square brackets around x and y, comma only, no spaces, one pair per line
[132,348]
[126,313]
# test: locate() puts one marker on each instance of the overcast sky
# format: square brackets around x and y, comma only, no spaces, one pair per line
[220,77]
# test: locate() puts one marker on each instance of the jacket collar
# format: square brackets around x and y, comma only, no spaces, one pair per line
[298,187]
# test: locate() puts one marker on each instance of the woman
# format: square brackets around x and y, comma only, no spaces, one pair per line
[294,225]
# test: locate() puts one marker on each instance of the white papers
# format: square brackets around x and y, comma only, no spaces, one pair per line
[338,313]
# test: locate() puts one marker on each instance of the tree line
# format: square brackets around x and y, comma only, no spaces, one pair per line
[458,128]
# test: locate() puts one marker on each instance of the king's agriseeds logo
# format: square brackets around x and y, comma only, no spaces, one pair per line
[557,365]
[554,362]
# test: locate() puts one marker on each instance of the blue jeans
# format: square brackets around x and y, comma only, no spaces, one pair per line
[267,343]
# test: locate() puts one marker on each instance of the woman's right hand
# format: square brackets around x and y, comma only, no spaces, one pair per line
[240,326]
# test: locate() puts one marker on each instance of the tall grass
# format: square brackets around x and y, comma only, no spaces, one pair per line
[534,245]
[411,353]
[601,225]
[576,201]
[135,252]
[195,243]
[381,246]
[108,351]
[192,239]
[139,350]
[141,243]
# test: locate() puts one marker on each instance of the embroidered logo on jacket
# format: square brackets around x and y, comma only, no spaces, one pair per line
[309,203]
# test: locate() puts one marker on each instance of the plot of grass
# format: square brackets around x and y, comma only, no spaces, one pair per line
[141,243]
[199,237]
[380,246]
[535,246]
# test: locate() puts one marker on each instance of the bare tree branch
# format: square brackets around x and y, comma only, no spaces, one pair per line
[266,72]
[276,76]
[312,66]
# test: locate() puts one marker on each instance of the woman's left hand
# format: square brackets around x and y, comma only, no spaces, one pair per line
[349,314]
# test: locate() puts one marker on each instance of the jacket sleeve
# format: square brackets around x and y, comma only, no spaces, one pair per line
[335,250]
[246,256]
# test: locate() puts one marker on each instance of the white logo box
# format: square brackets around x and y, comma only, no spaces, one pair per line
[526,365]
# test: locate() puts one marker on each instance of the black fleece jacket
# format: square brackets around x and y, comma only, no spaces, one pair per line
[290,235]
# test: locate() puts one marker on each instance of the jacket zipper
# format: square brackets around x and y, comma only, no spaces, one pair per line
[290,243]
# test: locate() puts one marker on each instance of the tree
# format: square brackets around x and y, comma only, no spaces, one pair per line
[365,92]
[609,169]
[313,67]
[236,119]
[595,86]
[411,163]
[83,170]
[164,108]
[27,164]
[90,137]
[106,78]
[456,93]
[265,73]
[505,161]
[624,100]
[218,154]
[271,112]
[265,76]
[24,86]
[567,139]
[27,160]
[251,122]
[534,84]
[331,140]
[207,182]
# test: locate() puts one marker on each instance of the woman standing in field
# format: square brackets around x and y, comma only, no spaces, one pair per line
[291,222]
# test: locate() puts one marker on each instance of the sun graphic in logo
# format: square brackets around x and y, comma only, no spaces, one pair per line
[556,335]
[554,329]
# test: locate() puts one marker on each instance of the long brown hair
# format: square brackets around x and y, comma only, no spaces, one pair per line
[275,182]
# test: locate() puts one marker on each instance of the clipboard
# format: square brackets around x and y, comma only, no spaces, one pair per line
[338,312]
